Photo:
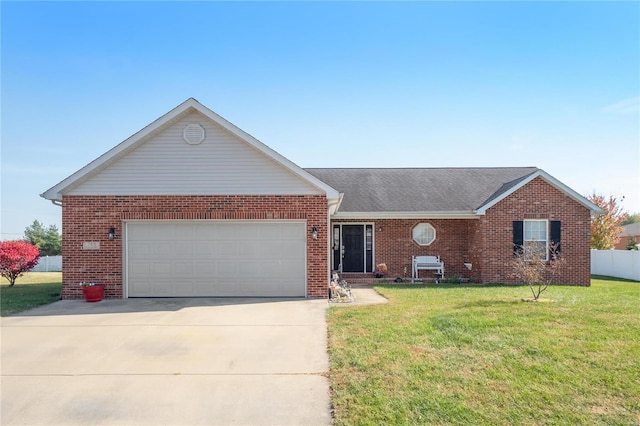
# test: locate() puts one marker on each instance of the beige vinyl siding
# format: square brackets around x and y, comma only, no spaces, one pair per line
[221,165]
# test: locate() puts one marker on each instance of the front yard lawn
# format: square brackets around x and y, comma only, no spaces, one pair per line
[443,355]
[31,290]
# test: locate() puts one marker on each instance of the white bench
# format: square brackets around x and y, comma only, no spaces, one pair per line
[430,263]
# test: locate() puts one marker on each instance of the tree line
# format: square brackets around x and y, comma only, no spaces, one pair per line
[47,239]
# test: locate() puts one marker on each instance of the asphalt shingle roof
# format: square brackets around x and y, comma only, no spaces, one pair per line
[420,190]
[629,230]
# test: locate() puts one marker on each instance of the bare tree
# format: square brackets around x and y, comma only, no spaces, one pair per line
[536,266]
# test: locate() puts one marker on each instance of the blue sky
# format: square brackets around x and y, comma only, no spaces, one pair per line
[361,84]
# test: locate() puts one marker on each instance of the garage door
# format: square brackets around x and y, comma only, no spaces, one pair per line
[216,259]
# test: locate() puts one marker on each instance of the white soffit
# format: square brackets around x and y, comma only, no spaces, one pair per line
[404,215]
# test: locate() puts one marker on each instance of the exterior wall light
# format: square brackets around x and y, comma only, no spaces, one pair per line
[112,233]
[314,232]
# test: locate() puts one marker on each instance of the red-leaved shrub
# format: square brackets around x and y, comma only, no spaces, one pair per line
[16,258]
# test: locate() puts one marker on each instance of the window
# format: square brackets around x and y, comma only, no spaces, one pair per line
[536,235]
[535,239]
[424,234]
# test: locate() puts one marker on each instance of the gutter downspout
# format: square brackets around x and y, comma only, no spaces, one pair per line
[54,201]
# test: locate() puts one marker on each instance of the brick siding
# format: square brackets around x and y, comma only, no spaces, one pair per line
[394,245]
[88,218]
[487,242]
[536,200]
[623,241]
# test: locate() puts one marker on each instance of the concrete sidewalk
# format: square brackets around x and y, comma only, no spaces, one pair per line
[167,361]
[366,296]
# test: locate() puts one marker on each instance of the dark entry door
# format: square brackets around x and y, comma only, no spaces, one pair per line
[353,242]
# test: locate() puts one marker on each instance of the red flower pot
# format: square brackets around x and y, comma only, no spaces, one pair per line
[94,293]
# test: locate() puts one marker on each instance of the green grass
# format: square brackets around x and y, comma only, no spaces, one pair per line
[462,355]
[31,290]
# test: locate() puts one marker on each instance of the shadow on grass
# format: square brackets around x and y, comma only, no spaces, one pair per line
[489,303]
[148,304]
[446,285]
[499,301]
[607,278]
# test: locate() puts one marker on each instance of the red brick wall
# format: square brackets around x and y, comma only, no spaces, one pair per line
[88,218]
[623,241]
[487,242]
[394,245]
[536,200]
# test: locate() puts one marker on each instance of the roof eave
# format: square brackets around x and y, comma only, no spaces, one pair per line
[334,204]
[406,215]
[52,196]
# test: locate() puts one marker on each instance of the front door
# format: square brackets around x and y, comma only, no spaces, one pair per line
[353,248]
[353,242]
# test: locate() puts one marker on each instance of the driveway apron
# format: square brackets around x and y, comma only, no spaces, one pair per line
[167,361]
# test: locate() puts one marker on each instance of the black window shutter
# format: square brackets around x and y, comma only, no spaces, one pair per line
[554,230]
[518,237]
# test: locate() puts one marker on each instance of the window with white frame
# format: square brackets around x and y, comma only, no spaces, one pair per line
[535,239]
[424,234]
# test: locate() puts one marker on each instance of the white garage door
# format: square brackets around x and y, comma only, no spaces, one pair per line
[216,259]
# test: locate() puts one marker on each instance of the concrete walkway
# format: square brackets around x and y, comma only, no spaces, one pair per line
[367,296]
[167,361]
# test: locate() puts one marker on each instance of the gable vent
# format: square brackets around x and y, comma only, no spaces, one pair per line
[193,134]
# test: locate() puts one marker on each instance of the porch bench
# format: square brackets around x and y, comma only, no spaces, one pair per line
[431,263]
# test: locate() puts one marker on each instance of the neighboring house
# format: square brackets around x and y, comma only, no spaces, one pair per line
[631,231]
[193,206]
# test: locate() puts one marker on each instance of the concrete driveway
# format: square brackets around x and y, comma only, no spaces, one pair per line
[167,361]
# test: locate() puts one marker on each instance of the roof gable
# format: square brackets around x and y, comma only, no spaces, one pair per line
[159,160]
[510,189]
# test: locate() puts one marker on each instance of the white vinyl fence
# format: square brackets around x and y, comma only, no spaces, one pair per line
[616,263]
[48,264]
